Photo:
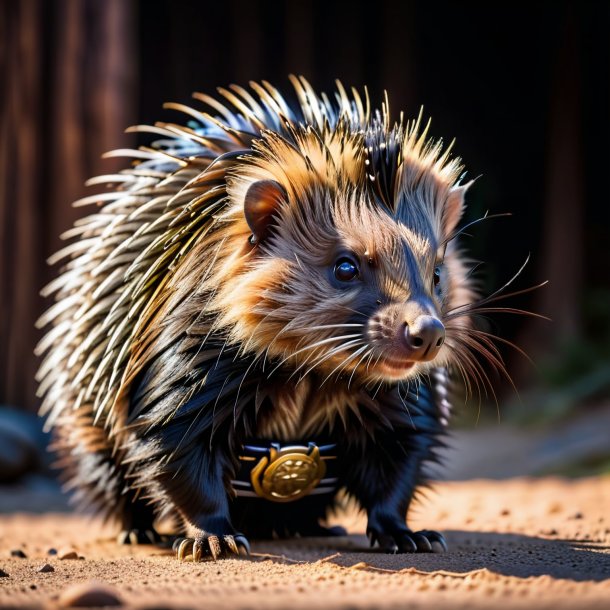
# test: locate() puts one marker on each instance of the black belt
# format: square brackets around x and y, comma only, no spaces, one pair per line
[285,474]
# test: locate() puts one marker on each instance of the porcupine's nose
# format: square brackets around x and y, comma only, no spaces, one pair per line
[424,337]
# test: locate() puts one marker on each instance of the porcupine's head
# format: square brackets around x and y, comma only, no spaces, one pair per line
[341,258]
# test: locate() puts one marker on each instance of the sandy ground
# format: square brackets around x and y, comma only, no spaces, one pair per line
[519,543]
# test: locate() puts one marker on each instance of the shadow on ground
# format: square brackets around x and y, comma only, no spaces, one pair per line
[507,554]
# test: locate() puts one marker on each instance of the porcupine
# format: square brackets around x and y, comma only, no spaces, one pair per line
[262,311]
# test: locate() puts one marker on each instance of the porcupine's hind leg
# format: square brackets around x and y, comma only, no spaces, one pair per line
[96,479]
[137,525]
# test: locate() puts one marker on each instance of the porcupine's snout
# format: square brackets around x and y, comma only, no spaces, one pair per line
[405,334]
[423,338]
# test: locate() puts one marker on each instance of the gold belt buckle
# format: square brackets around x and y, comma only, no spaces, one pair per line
[288,474]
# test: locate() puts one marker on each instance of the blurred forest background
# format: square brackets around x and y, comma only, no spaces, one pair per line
[524,87]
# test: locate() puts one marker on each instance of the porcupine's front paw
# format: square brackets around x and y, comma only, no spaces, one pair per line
[207,546]
[393,536]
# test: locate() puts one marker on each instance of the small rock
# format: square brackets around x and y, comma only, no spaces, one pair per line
[18,553]
[3,574]
[578,515]
[52,551]
[67,553]
[89,595]
[47,567]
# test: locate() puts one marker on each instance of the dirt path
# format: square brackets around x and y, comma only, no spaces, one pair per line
[518,543]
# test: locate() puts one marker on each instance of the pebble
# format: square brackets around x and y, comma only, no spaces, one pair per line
[67,553]
[91,594]
[3,574]
[52,551]
[47,567]
[18,553]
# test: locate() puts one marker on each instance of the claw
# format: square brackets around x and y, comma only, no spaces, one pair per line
[197,550]
[406,541]
[152,536]
[242,542]
[183,549]
[437,541]
[210,546]
[422,543]
[372,536]
[407,544]
[122,538]
[215,548]
[387,544]
[230,542]
[176,544]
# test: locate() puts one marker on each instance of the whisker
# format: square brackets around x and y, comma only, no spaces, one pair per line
[482,381]
[483,310]
[314,354]
[330,354]
[486,216]
[371,356]
[359,313]
[308,329]
[482,343]
[324,356]
[310,347]
[404,404]
[366,353]
[465,379]
[497,293]
[343,363]
[377,390]
[505,342]
[470,273]
[325,326]
[467,376]
[470,366]
[492,299]
[372,382]
[490,352]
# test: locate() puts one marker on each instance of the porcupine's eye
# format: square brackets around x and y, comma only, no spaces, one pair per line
[346,269]
[437,276]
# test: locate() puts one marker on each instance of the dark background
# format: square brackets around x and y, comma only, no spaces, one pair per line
[522,86]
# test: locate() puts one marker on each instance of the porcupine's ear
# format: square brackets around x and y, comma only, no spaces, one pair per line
[454,208]
[261,203]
